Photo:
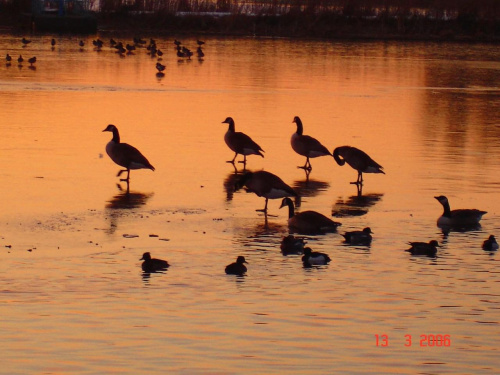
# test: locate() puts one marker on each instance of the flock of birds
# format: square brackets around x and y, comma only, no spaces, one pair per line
[270,186]
[182,51]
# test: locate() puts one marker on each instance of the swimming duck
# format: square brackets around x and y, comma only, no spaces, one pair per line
[313,258]
[310,222]
[292,245]
[124,154]
[153,264]
[358,160]
[423,248]
[490,244]
[306,145]
[240,143]
[265,184]
[359,237]
[237,268]
[461,218]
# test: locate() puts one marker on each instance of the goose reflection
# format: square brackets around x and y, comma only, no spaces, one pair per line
[355,205]
[310,187]
[230,184]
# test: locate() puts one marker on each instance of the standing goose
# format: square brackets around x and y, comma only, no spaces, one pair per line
[490,244]
[314,258]
[265,184]
[306,145]
[124,154]
[423,248]
[240,143]
[308,222]
[461,218]
[359,237]
[237,268]
[153,264]
[358,160]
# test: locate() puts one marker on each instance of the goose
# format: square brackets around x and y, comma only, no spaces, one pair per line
[8,58]
[200,42]
[292,245]
[310,222]
[124,154]
[25,41]
[160,67]
[490,244]
[53,42]
[237,268]
[153,264]
[358,160]
[32,60]
[313,258]
[306,145]
[20,59]
[81,43]
[200,53]
[457,218]
[359,237]
[265,184]
[423,248]
[240,143]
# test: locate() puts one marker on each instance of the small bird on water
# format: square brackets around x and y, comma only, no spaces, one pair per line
[237,268]
[153,264]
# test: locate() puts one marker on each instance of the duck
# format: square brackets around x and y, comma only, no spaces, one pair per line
[20,59]
[358,237]
[160,67]
[358,160]
[200,53]
[461,218]
[125,155]
[265,184]
[240,143]
[32,60]
[8,58]
[53,42]
[314,258]
[81,43]
[490,244]
[238,267]
[153,264]
[306,145]
[308,222]
[423,248]
[292,245]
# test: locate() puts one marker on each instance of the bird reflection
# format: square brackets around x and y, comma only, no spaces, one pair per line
[355,205]
[309,188]
[230,183]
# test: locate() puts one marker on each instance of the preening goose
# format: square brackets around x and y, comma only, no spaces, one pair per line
[306,145]
[240,143]
[314,258]
[265,184]
[490,244]
[358,160]
[308,222]
[237,268]
[461,218]
[358,237]
[153,264]
[423,248]
[125,155]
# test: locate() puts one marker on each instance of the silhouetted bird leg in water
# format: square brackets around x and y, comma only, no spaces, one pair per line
[307,166]
[128,175]
[359,188]
[244,160]
[265,208]
[232,161]
[359,181]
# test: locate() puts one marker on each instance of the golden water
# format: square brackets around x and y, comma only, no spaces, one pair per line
[73,298]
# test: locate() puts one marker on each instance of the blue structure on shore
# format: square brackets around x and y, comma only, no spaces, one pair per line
[62,16]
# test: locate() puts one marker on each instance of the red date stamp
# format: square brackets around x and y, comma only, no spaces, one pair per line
[424,340]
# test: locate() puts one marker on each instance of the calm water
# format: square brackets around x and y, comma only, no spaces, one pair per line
[73,298]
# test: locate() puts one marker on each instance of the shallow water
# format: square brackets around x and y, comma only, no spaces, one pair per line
[73,296]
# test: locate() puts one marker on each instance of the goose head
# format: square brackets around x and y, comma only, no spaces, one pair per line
[110,128]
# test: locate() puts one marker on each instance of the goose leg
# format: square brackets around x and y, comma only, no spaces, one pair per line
[244,160]
[120,172]
[265,207]
[232,161]
[128,175]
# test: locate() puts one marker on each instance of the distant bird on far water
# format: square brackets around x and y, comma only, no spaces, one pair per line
[20,59]
[358,160]
[423,248]
[200,42]
[200,53]
[359,237]
[160,67]
[265,184]
[306,145]
[461,218]
[53,42]
[124,154]
[8,58]
[313,258]
[81,43]
[25,41]
[240,143]
[490,244]
[237,268]
[153,264]
[32,60]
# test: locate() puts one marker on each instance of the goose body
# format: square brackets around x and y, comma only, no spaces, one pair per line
[358,237]
[461,218]
[125,155]
[153,264]
[490,244]
[308,222]
[292,245]
[306,145]
[313,258]
[265,184]
[423,248]
[358,160]
[32,60]
[238,267]
[239,142]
